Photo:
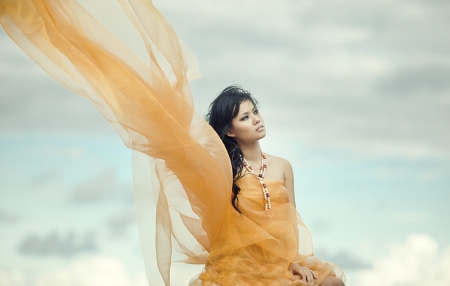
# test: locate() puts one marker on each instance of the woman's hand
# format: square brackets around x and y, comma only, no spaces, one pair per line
[305,273]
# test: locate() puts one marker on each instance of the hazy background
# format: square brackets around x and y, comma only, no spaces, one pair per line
[356,94]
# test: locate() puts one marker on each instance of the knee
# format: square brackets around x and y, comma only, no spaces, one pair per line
[332,281]
[337,282]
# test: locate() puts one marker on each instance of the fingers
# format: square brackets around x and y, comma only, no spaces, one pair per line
[303,273]
[307,276]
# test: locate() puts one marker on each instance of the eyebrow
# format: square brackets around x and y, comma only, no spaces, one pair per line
[254,108]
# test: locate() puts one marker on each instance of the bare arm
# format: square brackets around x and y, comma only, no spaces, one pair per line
[289,181]
[302,272]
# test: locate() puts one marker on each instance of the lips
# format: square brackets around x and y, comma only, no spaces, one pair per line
[260,128]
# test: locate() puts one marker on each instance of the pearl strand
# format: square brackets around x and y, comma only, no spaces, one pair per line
[260,176]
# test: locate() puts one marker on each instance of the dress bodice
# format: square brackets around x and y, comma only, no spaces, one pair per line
[251,191]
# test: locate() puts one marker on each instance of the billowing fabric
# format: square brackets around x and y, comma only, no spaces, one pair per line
[181,170]
[257,247]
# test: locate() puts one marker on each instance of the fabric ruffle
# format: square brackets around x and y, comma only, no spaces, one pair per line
[257,247]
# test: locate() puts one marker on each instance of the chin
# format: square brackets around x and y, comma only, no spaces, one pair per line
[263,135]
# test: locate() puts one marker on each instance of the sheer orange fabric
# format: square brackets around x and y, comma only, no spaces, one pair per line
[257,247]
[181,169]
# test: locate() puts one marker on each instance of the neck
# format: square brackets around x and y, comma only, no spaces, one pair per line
[252,152]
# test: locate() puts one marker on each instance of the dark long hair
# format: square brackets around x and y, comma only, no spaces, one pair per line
[221,111]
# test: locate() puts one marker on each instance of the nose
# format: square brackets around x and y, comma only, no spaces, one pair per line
[256,119]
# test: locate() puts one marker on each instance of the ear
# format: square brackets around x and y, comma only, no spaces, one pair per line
[230,132]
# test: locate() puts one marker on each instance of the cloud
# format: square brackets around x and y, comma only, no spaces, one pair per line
[13,59]
[12,278]
[31,101]
[119,223]
[321,226]
[418,261]
[94,271]
[6,217]
[431,78]
[101,188]
[410,216]
[56,245]
[46,177]
[31,104]
[369,78]
[346,261]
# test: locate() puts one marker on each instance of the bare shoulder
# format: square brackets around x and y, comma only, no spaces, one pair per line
[282,165]
[285,172]
[280,162]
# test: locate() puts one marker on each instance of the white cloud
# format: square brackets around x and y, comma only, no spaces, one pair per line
[92,272]
[11,278]
[100,188]
[370,76]
[95,271]
[410,216]
[416,262]
[55,244]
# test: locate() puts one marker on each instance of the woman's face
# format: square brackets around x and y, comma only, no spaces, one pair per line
[248,125]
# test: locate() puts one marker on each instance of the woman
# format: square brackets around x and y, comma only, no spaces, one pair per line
[259,243]
[192,204]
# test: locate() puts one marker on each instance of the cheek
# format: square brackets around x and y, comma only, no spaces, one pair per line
[240,128]
[237,129]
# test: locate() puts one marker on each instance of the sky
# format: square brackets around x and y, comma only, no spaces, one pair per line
[355,94]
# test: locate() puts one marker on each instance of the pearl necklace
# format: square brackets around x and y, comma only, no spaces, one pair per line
[260,176]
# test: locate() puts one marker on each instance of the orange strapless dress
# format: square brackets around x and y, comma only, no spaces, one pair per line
[181,170]
[256,248]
